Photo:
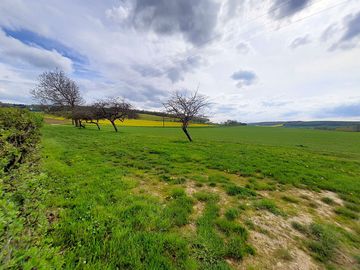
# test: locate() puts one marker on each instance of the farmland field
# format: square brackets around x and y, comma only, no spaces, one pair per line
[235,198]
[144,120]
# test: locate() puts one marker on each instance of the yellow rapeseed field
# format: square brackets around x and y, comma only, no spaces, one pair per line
[128,122]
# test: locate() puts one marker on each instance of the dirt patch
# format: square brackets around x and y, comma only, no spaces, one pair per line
[279,235]
[322,209]
[224,200]
[333,196]
[52,215]
[150,187]
[198,209]
[191,188]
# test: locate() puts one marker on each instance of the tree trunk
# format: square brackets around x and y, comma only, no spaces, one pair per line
[72,121]
[187,133]
[81,125]
[97,124]
[113,124]
[76,122]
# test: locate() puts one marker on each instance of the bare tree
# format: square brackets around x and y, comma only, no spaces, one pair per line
[55,88]
[113,109]
[186,108]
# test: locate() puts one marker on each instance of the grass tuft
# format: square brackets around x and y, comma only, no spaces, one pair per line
[347,213]
[233,190]
[231,214]
[204,196]
[299,227]
[290,199]
[269,205]
[328,200]
[283,254]
[323,242]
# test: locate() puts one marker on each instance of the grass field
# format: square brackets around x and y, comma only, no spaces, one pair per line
[235,198]
[146,198]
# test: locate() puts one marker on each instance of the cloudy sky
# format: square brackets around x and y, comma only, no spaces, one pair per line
[256,60]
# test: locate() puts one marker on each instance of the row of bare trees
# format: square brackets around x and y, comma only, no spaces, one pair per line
[56,89]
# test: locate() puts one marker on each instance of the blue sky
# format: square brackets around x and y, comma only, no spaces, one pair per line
[255,60]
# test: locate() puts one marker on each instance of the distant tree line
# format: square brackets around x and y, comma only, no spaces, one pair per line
[58,93]
[233,123]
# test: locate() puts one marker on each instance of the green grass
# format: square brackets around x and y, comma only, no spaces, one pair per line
[322,240]
[269,205]
[345,212]
[120,201]
[290,199]
[231,214]
[328,200]
[206,196]
[233,190]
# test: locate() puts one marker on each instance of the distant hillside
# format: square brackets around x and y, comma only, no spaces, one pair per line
[328,125]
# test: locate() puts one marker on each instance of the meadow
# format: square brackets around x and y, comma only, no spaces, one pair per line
[235,198]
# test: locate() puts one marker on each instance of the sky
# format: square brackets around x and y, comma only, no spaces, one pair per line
[256,60]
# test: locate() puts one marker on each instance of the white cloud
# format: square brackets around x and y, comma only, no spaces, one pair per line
[12,50]
[145,65]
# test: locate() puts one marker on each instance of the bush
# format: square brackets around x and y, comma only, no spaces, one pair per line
[19,131]
[21,193]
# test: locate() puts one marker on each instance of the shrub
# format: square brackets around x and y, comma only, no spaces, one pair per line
[22,215]
[19,131]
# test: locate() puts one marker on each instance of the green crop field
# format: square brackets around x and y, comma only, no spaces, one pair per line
[235,198]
